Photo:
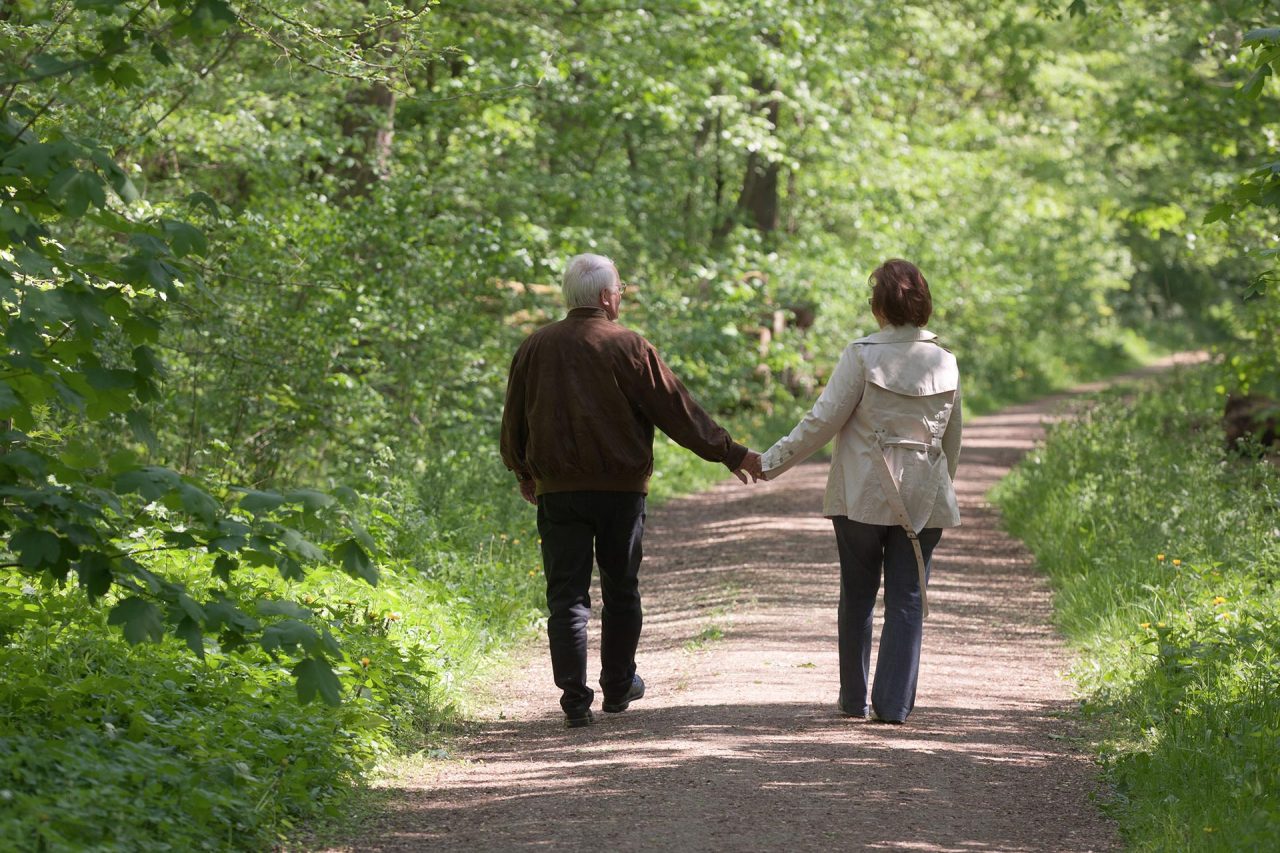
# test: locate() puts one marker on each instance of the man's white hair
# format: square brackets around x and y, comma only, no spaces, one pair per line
[586,277]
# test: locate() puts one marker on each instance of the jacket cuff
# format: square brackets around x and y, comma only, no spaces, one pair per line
[737,452]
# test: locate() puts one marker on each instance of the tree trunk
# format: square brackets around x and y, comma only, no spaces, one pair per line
[368,121]
[757,202]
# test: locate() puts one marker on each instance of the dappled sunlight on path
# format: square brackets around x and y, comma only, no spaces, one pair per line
[738,745]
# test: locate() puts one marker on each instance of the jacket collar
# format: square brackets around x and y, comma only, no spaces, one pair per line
[589,311]
[900,335]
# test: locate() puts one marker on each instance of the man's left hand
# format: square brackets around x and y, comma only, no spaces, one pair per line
[529,491]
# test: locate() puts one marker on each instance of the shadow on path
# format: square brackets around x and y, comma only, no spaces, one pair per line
[686,779]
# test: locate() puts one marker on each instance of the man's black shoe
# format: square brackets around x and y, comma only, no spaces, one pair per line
[615,706]
[577,719]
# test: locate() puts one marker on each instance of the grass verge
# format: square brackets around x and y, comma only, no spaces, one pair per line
[1164,553]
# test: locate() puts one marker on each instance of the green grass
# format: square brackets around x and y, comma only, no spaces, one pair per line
[1164,553]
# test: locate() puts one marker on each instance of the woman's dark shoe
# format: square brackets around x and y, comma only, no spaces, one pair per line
[577,719]
[615,706]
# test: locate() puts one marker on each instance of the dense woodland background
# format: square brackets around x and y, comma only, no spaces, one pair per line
[263,264]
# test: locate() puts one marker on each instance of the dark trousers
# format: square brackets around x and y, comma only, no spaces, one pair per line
[572,524]
[867,550]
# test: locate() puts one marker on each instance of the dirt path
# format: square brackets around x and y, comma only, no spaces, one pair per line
[738,746]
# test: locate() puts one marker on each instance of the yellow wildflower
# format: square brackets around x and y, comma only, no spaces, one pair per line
[1160,557]
[1219,600]
[1145,625]
[393,617]
[364,662]
[1177,562]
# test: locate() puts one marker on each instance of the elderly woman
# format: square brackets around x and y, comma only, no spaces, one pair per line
[893,407]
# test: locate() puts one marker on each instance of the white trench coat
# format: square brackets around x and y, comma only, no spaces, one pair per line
[895,393]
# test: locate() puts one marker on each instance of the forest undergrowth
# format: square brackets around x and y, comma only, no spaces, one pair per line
[1163,548]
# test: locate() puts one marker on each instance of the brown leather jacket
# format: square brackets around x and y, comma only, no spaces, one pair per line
[583,397]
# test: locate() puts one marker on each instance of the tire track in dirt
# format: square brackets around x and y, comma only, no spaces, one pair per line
[738,745]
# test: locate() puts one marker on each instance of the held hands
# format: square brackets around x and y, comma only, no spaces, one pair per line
[751,464]
[528,491]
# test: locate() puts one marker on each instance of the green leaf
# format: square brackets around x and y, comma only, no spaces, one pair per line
[288,635]
[151,482]
[223,566]
[362,536]
[36,549]
[199,503]
[1221,211]
[295,542]
[189,607]
[40,159]
[202,199]
[289,568]
[141,620]
[49,65]
[1252,87]
[79,191]
[160,53]
[145,362]
[189,630]
[119,179]
[182,539]
[309,498]
[315,677]
[141,329]
[221,612]
[283,607]
[108,379]
[27,461]
[258,503]
[94,571]
[15,222]
[125,76]
[183,238]
[9,402]
[121,461]
[356,562]
[1261,35]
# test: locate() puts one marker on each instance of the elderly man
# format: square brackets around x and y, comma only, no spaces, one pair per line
[583,397]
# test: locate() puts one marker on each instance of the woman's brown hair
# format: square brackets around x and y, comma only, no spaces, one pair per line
[900,294]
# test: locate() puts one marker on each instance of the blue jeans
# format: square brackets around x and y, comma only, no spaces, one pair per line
[867,550]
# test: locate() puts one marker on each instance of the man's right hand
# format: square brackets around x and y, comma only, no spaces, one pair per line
[529,491]
[751,464]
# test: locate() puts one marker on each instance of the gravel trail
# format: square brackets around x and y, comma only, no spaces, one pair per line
[738,745]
